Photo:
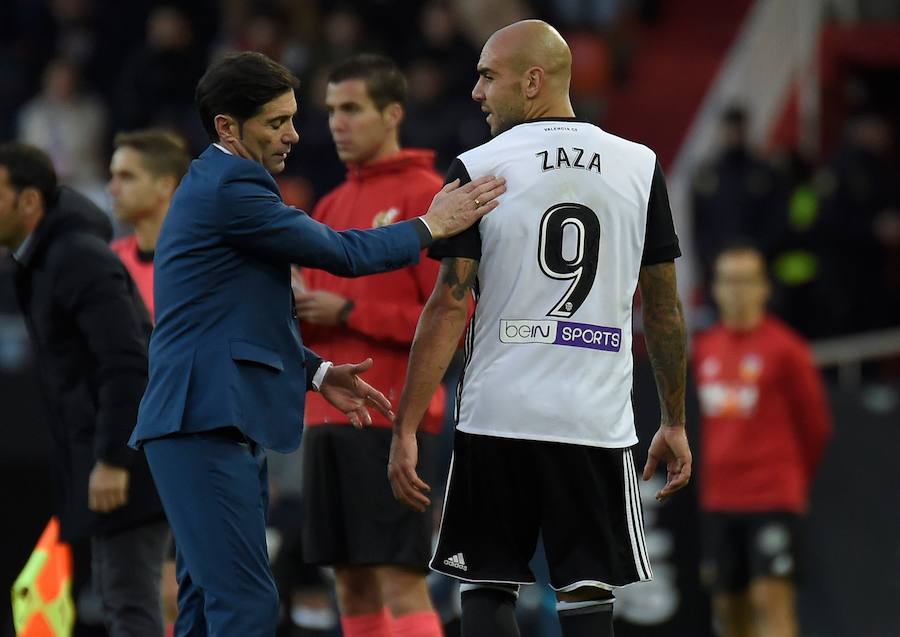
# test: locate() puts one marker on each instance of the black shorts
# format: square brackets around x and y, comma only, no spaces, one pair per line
[741,547]
[583,501]
[350,515]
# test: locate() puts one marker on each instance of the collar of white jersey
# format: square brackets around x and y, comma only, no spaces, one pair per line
[536,120]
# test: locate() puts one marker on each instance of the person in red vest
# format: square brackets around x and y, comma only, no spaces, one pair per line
[145,170]
[378,548]
[765,425]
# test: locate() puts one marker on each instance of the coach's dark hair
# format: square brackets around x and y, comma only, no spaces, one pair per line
[30,167]
[163,152]
[240,84]
[384,81]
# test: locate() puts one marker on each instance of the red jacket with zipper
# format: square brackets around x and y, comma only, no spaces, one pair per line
[387,306]
[765,418]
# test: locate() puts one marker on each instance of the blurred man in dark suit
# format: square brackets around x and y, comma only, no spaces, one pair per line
[89,330]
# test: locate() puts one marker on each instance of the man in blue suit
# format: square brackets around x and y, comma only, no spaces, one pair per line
[228,369]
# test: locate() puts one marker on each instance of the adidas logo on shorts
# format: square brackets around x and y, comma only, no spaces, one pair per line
[457,561]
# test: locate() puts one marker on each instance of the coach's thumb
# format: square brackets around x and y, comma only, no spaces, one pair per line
[649,468]
[364,366]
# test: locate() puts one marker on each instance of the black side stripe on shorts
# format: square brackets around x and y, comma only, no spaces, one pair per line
[468,346]
[634,517]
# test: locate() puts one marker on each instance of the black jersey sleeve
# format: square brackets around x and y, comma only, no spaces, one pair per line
[467,244]
[660,240]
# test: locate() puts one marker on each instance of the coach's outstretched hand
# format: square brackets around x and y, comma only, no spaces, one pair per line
[455,208]
[344,389]
[669,445]
[406,484]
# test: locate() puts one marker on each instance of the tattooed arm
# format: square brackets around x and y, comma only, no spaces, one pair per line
[437,337]
[666,343]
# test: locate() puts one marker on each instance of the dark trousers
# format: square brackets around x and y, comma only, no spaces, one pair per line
[214,489]
[127,570]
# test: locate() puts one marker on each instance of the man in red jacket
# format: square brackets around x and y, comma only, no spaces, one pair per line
[765,424]
[378,547]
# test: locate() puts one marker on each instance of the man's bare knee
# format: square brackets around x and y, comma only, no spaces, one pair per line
[404,590]
[772,599]
[358,590]
[733,614]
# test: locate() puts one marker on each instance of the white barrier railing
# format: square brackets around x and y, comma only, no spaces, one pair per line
[848,353]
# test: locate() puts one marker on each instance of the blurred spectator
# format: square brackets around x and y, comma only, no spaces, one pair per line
[861,213]
[69,125]
[801,266]
[442,42]
[267,31]
[145,170]
[156,86]
[75,34]
[765,424]
[342,34]
[734,195]
[89,331]
[438,119]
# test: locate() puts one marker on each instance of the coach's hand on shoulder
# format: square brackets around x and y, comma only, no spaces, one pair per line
[669,445]
[107,487]
[456,207]
[344,389]
[406,484]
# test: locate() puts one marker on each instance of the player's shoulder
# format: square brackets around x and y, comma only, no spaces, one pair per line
[616,149]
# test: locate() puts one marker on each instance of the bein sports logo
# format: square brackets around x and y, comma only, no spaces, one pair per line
[607,339]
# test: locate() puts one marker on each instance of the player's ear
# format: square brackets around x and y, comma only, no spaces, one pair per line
[534,80]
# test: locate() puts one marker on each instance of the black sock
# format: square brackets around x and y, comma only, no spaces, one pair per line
[586,619]
[489,612]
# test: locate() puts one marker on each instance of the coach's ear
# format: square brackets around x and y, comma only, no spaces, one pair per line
[534,81]
[227,128]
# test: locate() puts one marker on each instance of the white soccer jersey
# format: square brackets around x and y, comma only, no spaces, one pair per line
[548,351]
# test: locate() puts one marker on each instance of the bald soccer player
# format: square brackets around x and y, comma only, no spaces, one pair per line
[545,429]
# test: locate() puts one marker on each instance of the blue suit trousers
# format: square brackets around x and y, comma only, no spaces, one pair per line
[214,489]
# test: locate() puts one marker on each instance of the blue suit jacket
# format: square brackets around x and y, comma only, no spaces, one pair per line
[226,349]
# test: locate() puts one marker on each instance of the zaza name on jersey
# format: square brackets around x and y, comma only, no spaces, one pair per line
[571,157]
[607,339]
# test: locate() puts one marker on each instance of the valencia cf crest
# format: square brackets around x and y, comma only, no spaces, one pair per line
[751,368]
[385,217]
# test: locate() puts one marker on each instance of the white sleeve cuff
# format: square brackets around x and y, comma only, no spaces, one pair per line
[319,376]
[427,227]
